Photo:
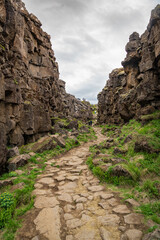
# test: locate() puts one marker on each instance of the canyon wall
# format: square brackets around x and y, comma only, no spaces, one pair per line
[134,90]
[30,90]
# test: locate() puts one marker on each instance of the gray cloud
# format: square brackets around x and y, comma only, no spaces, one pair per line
[89,37]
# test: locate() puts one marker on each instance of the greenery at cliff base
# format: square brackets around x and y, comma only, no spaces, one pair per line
[143,182]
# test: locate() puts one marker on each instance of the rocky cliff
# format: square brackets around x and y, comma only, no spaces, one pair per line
[134,90]
[30,90]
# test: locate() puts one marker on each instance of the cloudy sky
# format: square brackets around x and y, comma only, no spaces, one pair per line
[89,37]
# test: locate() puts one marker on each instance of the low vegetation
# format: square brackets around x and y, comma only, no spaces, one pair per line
[129,161]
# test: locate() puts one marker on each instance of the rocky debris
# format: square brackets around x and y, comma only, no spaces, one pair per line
[152,236]
[59,140]
[4,183]
[31,93]
[12,152]
[119,151]
[143,146]
[18,161]
[134,90]
[121,170]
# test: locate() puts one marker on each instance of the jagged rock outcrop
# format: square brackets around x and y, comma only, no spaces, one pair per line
[134,90]
[30,90]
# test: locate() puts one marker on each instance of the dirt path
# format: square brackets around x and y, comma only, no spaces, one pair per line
[70,204]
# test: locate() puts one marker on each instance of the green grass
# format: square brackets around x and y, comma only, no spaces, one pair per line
[151,211]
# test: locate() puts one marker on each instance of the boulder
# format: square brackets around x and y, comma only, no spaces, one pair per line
[18,161]
[59,140]
[13,152]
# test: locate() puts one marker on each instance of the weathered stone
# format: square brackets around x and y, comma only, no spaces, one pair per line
[109,219]
[13,152]
[74,223]
[81,200]
[59,140]
[104,205]
[68,216]
[45,202]
[134,234]
[95,188]
[4,183]
[122,209]
[133,218]
[65,197]
[18,161]
[105,235]
[86,234]
[113,202]
[69,237]
[46,180]
[79,207]
[106,195]
[42,192]
[48,223]
[72,178]
[155,235]
[35,238]
[132,202]
[68,208]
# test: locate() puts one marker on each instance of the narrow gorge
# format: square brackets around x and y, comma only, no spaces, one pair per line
[69,169]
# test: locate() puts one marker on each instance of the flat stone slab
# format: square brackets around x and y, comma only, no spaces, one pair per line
[60,178]
[45,202]
[133,218]
[104,205]
[106,195]
[132,202]
[48,223]
[74,223]
[81,200]
[65,197]
[46,180]
[86,234]
[122,209]
[105,235]
[96,188]
[72,178]
[42,192]
[74,163]
[68,186]
[134,234]
[109,219]
[113,202]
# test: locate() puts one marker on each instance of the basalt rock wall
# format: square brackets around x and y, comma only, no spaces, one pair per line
[30,90]
[134,90]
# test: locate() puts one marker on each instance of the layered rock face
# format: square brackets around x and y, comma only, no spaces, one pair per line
[134,90]
[30,90]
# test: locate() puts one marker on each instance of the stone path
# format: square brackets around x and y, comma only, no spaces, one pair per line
[70,204]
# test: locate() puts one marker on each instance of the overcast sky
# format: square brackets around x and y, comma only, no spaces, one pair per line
[89,37]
